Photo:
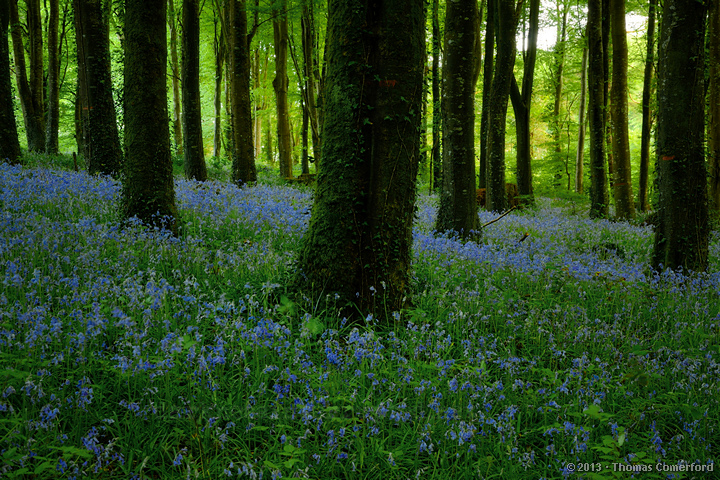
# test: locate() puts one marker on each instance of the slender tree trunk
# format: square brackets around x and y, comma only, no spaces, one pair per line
[521,101]
[360,235]
[53,82]
[458,207]
[309,48]
[219,50]
[622,188]
[193,148]
[243,153]
[487,86]
[280,84]
[31,100]
[580,154]
[643,203]
[435,159]
[596,111]
[507,21]
[148,188]
[175,65]
[682,230]
[714,122]
[558,70]
[9,143]
[101,143]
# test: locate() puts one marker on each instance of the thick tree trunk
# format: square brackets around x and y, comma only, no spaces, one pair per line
[9,144]
[243,170]
[487,86]
[622,188]
[714,122]
[360,235]
[101,143]
[580,154]
[596,112]
[31,91]
[148,188]
[280,84]
[192,116]
[507,21]
[435,159]
[682,230]
[175,66]
[521,101]
[53,82]
[458,207]
[643,203]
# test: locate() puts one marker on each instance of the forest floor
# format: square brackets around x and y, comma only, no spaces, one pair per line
[128,353]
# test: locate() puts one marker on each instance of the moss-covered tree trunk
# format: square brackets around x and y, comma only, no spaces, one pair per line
[175,70]
[358,243]
[596,112]
[521,102]
[714,103]
[280,84]
[193,148]
[148,188]
[243,169]
[101,143]
[458,207]
[487,86]
[622,186]
[31,91]
[9,144]
[682,231]
[507,21]
[53,80]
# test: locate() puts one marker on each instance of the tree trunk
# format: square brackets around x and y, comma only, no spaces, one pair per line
[31,95]
[9,143]
[458,207]
[682,230]
[280,84]
[53,82]
[435,159]
[596,112]
[714,121]
[507,21]
[622,188]
[175,66]
[360,235]
[192,116]
[243,170]
[643,203]
[101,142]
[148,188]
[310,64]
[487,85]
[219,51]
[522,101]
[580,155]
[558,69]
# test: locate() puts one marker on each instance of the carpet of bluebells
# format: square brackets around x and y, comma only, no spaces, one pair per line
[128,353]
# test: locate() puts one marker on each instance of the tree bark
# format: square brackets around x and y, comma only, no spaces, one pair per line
[643,203]
[280,84]
[219,51]
[558,69]
[622,188]
[682,230]
[148,188]
[193,148]
[458,207]
[101,143]
[9,143]
[580,154]
[596,112]
[521,102]
[487,86]
[360,235]
[31,91]
[507,20]
[435,158]
[175,66]
[310,66]
[714,102]
[53,82]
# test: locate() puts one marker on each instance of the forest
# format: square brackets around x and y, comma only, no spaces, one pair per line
[359,239]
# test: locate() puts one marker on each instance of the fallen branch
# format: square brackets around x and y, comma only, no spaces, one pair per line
[498,218]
